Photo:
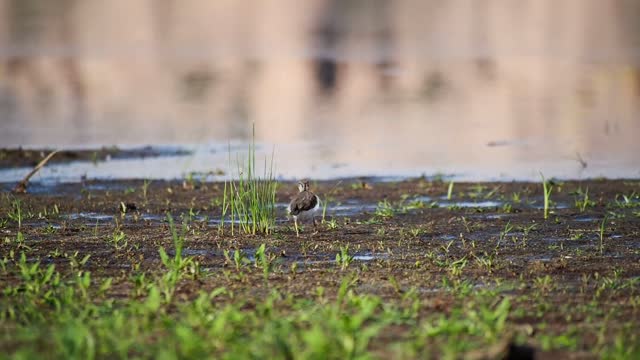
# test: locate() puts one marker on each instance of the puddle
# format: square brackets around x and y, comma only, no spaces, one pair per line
[101,217]
[102,186]
[350,209]
[470,204]
[558,206]
[586,219]
[89,216]
[42,224]
[203,103]
[463,204]
[153,217]
[526,259]
[198,252]
[370,257]
[198,159]
[492,216]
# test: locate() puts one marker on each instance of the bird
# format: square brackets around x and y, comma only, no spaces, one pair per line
[305,201]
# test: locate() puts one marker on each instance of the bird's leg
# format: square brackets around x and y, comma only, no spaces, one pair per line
[315,226]
[295,223]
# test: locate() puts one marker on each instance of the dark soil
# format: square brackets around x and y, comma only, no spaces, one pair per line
[31,157]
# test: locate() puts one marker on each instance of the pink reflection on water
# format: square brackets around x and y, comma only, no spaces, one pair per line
[407,86]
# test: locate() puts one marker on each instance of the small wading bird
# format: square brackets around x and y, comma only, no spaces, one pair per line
[304,202]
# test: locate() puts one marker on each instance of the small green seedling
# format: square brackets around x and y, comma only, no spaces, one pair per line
[145,188]
[547,188]
[583,203]
[450,190]
[343,258]
[602,226]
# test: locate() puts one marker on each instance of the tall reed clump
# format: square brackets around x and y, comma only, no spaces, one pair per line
[249,199]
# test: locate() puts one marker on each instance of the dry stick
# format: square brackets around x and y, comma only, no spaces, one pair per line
[21,188]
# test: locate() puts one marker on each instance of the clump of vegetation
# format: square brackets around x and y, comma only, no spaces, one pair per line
[250,199]
[343,258]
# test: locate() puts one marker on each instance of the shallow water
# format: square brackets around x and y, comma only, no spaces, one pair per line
[339,91]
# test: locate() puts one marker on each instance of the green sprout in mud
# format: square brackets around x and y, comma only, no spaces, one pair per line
[601,232]
[178,265]
[16,212]
[455,267]
[415,232]
[507,208]
[405,206]
[488,261]
[546,188]
[544,284]
[343,258]
[328,197]
[450,190]
[577,236]
[145,189]
[493,191]
[384,209]
[190,216]
[46,213]
[466,224]
[503,234]
[627,201]
[516,198]
[224,208]
[264,261]
[324,205]
[332,224]
[239,258]
[76,263]
[123,209]
[119,240]
[446,248]
[582,201]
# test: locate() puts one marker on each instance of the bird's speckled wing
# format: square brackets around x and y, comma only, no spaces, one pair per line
[305,201]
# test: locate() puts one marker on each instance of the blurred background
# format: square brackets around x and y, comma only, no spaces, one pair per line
[482,89]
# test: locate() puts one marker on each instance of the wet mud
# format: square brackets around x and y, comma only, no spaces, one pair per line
[20,157]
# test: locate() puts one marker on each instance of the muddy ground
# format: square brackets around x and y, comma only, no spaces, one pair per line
[573,277]
[19,157]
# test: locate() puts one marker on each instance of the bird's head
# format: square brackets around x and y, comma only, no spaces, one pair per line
[303,185]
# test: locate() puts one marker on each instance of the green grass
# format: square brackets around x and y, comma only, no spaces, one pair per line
[450,190]
[72,316]
[601,233]
[16,214]
[249,199]
[582,201]
[424,297]
[343,258]
[145,189]
[384,209]
[546,188]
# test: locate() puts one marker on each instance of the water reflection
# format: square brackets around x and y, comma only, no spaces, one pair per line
[483,87]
